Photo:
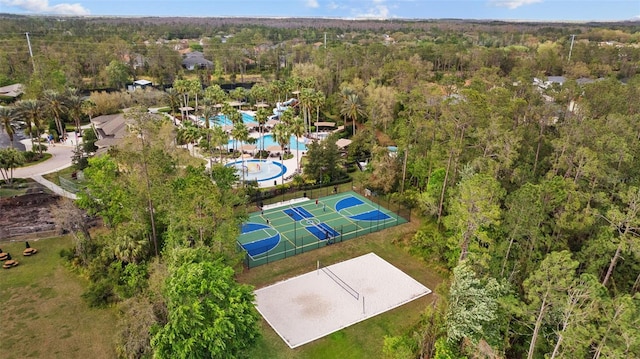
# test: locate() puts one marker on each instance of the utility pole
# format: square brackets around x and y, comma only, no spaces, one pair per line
[33,62]
[573,37]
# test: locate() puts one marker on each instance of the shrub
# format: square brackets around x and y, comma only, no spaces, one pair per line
[99,294]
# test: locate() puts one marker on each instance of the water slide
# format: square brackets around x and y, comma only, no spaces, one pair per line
[282,106]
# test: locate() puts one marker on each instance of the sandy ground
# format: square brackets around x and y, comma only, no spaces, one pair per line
[313,305]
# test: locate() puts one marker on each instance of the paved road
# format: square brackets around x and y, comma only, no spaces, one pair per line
[61,159]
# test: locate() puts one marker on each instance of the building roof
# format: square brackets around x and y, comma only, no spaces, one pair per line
[195,58]
[325,124]
[14,90]
[142,82]
[110,129]
[343,142]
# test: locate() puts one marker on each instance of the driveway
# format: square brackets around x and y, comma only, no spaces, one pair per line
[61,158]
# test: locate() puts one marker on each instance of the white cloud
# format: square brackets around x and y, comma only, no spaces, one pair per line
[43,7]
[513,4]
[376,12]
[312,3]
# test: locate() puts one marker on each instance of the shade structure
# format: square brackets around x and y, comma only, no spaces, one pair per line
[273,148]
[235,103]
[261,105]
[343,142]
[273,122]
[251,124]
[324,124]
[296,92]
[186,108]
[246,155]
[248,148]
[218,105]
[227,128]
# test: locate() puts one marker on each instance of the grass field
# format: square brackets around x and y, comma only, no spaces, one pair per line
[43,315]
[288,230]
[365,339]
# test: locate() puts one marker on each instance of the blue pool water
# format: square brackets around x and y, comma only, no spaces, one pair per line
[258,170]
[269,141]
[223,120]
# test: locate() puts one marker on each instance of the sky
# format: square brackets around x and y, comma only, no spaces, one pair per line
[542,10]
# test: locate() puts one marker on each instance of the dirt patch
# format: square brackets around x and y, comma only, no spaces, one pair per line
[26,215]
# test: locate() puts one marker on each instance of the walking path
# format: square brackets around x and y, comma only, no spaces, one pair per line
[61,156]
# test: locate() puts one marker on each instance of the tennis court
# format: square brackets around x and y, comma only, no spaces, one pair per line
[313,305]
[285,229]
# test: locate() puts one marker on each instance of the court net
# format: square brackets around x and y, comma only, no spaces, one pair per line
[341,283]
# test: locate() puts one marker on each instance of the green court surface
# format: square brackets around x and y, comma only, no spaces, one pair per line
[290,229]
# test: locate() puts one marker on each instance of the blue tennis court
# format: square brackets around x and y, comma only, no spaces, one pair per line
[322,231]
[289,229]
[298,213]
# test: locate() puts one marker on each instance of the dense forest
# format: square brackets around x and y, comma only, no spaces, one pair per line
[517,148]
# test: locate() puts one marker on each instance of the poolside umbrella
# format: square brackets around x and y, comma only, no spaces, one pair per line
[272,122]
[235,103]
[251,124]
[218,105]
[248,148]
[274,148]
[261,105]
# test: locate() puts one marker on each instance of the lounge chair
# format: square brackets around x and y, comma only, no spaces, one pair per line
[28,250]
[9,263]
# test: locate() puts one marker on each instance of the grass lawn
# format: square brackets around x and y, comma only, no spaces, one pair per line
[45,156]
[19,187]
[362,340]
[43,314]
[55,176]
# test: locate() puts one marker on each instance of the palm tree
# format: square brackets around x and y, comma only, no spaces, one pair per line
[297,129]
[173,98]
[189,134]
[215,93]
[75,107]
[220,138]
[261,117]
[130,245]
[306,103]
[88,108]
[282,135]
[32,111]
[195,88]
[7,115]
[287,116]
[207,112]
[182,87]
[241,134]
[56,106]
[352,108]
[318,101]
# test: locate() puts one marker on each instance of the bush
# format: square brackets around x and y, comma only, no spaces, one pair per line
[99,294]
[67,254]
[30,156]
[39,147]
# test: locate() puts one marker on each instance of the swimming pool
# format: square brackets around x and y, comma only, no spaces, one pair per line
[269,141]
[223,120]
[258,170]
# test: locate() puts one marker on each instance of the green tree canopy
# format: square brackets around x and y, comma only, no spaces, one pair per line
[209,314]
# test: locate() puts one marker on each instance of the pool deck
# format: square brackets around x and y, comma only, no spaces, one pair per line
[290,164]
